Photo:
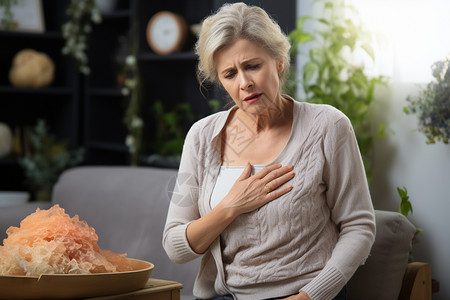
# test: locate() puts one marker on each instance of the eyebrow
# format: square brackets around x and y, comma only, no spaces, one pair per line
[243,63]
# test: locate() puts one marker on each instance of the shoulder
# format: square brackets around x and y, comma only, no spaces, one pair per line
[320,112]
[208,127]
[324,116]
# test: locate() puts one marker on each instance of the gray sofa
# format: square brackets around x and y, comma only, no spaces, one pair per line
[127,206]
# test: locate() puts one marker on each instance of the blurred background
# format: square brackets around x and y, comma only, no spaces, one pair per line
[97,83]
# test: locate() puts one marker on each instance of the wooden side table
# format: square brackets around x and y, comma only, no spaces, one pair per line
[155,289]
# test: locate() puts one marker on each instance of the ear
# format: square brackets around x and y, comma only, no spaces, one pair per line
[280,66]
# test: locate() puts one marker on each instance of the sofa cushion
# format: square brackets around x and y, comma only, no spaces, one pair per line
[382,274]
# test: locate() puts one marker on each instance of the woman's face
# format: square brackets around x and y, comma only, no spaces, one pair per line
[250,76]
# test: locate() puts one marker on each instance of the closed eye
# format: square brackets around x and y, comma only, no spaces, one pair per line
[229,74]
[253,67]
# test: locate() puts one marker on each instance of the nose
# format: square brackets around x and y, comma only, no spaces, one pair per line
[245,81]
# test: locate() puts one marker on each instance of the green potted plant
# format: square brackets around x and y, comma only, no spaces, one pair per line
[432,104]
[170,130]
[331,75]
[80,16]
[170,127]
[45,159]
[405,207]
[8,22]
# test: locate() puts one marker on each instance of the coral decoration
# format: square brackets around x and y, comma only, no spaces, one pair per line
[31,69]
[51,242]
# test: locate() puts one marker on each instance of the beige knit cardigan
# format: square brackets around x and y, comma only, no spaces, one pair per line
[311,239]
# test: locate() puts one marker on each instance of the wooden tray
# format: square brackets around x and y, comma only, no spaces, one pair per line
[70,286]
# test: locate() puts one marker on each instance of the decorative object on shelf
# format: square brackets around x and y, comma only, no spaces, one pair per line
[6,15]
[432,105]
[166,32]
[132,89]
[170,127]
[81,14]
[22,15]
[45,160]
[125,43]
[31,68]
[333,75]
[6,140]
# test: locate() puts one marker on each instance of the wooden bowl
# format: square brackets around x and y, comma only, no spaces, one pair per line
[69,286]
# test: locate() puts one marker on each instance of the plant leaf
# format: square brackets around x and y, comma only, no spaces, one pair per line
[309,69]
[369,50]
[301,21]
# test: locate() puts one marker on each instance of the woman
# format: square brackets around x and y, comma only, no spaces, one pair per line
[277,201]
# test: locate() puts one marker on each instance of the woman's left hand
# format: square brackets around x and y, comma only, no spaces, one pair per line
[299,296]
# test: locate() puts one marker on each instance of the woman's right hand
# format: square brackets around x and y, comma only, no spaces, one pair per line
[251,192]
[247,194]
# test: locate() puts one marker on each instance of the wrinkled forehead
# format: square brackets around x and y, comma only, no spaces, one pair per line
[239,52]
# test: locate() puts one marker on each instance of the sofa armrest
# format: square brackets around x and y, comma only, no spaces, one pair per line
[416,282]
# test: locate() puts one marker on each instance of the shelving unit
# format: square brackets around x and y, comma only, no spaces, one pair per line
[104,105]
[88,111]
[58,103]
[169,78]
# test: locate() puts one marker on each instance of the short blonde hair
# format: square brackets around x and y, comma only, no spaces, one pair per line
[234,21]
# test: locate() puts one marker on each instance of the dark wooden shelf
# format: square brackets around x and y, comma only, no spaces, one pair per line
[170,78]
[8,161]
[58,104]
[119,14]
[106,92]
[150,56]
[108,146]
[6,89]
[38,35]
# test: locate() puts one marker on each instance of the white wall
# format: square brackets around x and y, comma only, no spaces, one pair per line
[403,158]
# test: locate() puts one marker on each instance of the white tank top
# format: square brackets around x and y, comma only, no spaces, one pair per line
[227,177]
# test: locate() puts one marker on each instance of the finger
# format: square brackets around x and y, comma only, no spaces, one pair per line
[274,174]
[279,192]
[266,170]
[247,172]
[277,182]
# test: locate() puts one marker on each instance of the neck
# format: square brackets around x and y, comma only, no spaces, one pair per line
[276,115]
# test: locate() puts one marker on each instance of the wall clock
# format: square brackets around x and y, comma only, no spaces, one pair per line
[166,32]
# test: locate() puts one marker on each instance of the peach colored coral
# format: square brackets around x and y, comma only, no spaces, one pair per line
[51,242]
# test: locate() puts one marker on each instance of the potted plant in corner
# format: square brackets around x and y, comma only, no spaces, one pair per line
[432,104]
[45,159]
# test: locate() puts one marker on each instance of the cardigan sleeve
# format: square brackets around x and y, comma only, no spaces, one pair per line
[183,208]
[351,210]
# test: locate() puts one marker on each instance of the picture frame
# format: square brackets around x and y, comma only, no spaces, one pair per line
[28,14]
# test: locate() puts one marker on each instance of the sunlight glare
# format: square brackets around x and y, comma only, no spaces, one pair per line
[414,34]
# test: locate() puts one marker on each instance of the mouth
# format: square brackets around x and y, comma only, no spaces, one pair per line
[252,98]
